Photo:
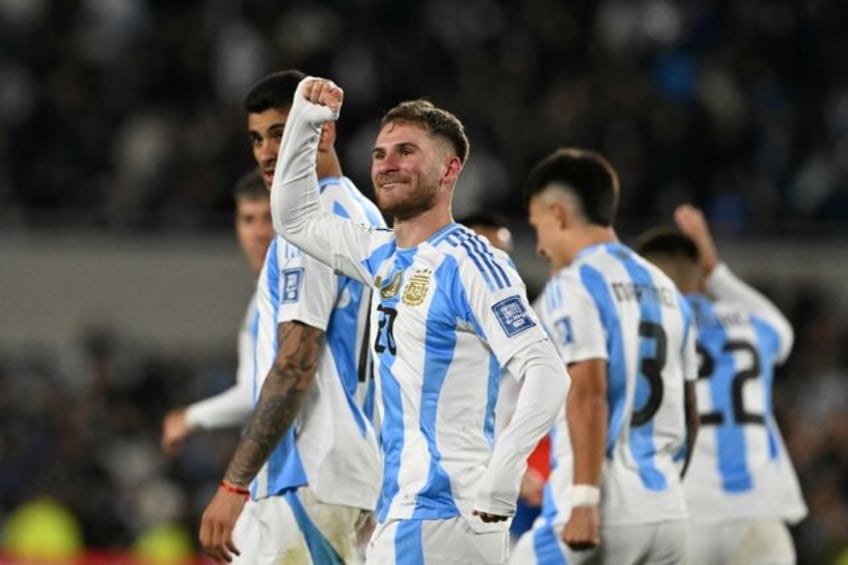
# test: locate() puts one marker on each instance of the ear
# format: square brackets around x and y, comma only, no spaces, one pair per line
[561,214]
[328,136]
[452,168]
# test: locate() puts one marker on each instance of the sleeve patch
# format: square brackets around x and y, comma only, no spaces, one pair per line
[513,316]
[291,285]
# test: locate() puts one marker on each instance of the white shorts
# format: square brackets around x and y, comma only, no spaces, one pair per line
[452,541]
[754,542]
[663,543]
[295,528]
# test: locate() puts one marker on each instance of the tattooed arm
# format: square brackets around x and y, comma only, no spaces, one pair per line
[278,405]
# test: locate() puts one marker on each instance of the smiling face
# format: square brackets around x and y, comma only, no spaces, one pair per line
[409,167]
[265,130]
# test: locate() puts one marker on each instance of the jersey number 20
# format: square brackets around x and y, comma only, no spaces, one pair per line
[386,330]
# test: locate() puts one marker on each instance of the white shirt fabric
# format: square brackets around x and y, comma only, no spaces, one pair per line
[233,406]
[611,304]
[740,468]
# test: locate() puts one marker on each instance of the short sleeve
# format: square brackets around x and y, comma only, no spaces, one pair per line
[492,297]
[572,318]
[307,289]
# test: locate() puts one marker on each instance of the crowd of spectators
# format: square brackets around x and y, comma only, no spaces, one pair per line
[127,114]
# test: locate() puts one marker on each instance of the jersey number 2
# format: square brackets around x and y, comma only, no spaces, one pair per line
[706,371]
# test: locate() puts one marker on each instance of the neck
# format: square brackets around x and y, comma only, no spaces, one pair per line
[418,229]
[327,164]
[589,235]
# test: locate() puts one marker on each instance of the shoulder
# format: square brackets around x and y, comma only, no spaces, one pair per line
[341,197]
[564,290]
[477,259]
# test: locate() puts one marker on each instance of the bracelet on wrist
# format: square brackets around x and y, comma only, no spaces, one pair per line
[229,487]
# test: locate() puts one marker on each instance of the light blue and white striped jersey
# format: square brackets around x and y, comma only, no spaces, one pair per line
[332,447]
[739,468]
[611,304]
[446,315]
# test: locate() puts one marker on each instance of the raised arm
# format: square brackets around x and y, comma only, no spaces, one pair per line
[726,286]
[295,199]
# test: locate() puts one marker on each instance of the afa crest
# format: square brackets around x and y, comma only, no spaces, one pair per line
[416,289]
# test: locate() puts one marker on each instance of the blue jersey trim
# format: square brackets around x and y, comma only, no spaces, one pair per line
[481,255]
[320,549]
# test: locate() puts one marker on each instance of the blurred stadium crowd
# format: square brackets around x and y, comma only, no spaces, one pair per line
[741,107]
[126,115]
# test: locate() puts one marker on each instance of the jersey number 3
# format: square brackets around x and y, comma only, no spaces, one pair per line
[651,368]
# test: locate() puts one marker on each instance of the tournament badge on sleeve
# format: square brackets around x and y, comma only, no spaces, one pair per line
[512,316]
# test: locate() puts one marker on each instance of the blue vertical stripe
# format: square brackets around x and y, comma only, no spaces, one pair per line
[344,323]
[320,549]
[768,345]
[340,210]
[392,428]
[408,545]
[549,507]
[641,437]
[731,456]
[495,376]
[546,545]
[436,498]
[597,287]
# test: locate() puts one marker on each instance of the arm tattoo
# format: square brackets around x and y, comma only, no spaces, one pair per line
[299,347]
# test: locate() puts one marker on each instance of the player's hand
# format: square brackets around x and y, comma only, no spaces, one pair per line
[319,100]
[583,530]
[217,523]
[692,223]
[323,92]
[532,487]
[175,430]
[486,517]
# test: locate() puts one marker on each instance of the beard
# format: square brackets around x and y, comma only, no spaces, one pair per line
[407,206]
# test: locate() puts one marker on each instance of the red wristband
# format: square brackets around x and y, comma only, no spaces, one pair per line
[234,489]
